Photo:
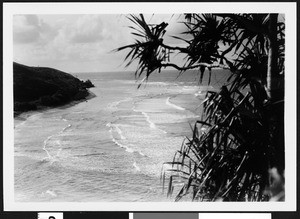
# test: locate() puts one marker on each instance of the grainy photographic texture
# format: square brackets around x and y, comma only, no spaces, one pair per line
[116,141]
[149,107]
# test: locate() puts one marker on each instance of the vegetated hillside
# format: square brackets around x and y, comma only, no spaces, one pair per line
[35,87]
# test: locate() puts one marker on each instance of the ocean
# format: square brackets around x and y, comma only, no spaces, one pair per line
[110,148]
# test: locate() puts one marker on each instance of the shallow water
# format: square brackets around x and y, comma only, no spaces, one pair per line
[109,148]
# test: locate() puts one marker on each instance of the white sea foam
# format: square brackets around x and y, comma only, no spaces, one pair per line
[120,132]
[188,88]
[173,105]
[58,152]
[142,154]
[159,83]
[121,145]
[136,166]
[51,193]
[56,142]
[113,105]
[127,149]
[151,124]
[44,147]
[110,129]
[200,93]
[67,127]
[130,150]
[51,160]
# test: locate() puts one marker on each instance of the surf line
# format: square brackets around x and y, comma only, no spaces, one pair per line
[118,130]
[151,124]
[57,142]
[137,168]
[173,105]
[114,105]
[113,128]
[44,147]
[49,192]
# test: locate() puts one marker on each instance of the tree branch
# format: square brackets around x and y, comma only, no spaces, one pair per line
[181,49]
[194,66]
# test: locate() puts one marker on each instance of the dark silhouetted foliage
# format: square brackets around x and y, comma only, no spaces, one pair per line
[236,152]
[35,87]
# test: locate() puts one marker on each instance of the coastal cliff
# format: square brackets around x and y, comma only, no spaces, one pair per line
[39,87]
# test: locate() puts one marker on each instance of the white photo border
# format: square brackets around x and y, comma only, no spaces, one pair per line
[289,9]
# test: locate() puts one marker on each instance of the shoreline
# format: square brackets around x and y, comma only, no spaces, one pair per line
[91,95]
[42,88]
[86,148]
[22,116]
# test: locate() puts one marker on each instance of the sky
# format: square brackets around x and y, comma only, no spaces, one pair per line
[79,43]
[82,42]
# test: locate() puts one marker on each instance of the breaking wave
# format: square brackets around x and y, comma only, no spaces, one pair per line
[173,105]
